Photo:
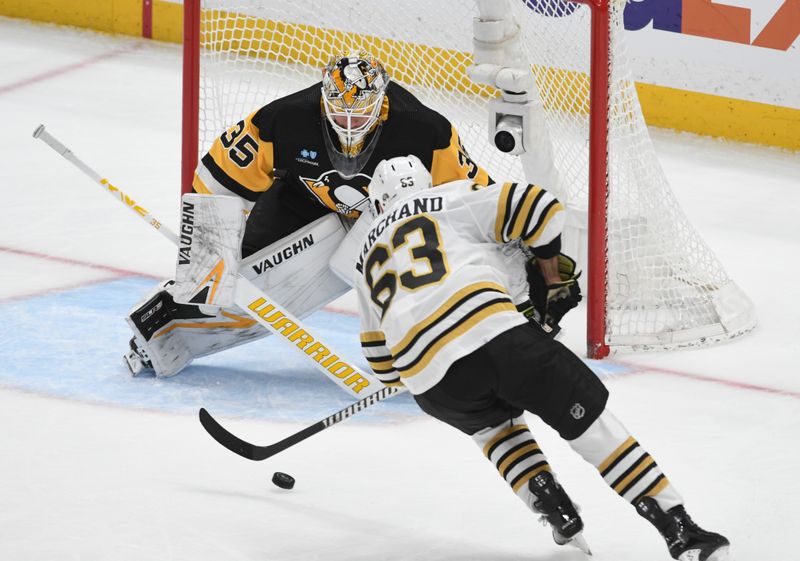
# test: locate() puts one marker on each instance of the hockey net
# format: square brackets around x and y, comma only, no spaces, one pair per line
[664,288]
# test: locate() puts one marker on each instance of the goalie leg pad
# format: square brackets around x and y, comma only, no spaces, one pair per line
[168,355]
[172,334]
[350,252]
[294,271]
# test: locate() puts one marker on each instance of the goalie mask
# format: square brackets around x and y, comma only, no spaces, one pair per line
[353,100]
[397,177]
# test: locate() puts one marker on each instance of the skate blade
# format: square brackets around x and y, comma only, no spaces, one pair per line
[134,365]
[579,542]
[721,554]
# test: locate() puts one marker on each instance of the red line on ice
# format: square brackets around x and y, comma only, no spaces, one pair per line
[116,272]
[55,289]
[340,311]
[75,262]
[641,368]
[58,71]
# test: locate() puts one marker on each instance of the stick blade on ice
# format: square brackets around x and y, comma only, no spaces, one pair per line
[227,439]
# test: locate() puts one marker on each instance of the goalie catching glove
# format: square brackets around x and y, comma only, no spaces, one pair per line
[552,301]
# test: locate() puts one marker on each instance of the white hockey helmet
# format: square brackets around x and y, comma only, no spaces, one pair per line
[353,94]
[397,177]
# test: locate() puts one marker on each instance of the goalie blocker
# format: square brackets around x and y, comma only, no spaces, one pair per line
[193,316]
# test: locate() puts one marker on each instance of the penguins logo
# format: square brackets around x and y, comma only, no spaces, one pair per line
[345,196]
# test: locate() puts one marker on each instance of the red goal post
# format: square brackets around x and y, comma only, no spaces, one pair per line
[651,282]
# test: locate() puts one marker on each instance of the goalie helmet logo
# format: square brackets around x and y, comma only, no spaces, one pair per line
[347,196]
[354,104]
[354,83]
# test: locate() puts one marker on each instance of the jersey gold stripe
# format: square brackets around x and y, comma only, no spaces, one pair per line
[470,290]
[210,171]
[199,187]
[536,201]
[524,210]
[461,316]
[502,211]
[615,455]
[474,320]
[542,225]
[500,436]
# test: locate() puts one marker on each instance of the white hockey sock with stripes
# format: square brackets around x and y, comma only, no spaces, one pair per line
[515,454]
[623,463]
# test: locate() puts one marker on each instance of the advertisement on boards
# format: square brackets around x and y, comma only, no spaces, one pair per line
[746,49]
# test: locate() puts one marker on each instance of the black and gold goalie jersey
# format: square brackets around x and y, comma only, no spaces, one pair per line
[287,135]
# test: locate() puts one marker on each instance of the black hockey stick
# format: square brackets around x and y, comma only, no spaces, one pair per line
[258,453]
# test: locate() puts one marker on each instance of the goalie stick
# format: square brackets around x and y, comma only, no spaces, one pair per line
[248,296]
[258,453]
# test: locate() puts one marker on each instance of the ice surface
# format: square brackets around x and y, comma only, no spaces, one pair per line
[97,465]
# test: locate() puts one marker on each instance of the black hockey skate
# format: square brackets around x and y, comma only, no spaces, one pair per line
[686,540]
[557,509]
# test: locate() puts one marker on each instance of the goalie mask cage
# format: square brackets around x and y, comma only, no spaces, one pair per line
[652,281]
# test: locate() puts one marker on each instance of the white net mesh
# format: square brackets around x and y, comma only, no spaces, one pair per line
[665,287]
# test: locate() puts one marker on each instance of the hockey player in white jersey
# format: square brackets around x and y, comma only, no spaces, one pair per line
[437,316]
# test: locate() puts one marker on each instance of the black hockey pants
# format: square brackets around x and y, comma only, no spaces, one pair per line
[520,369]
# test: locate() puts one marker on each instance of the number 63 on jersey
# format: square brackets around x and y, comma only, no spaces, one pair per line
[415,248]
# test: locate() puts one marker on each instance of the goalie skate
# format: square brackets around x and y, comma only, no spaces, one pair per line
[136,359]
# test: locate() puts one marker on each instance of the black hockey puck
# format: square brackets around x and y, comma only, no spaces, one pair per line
[283,480]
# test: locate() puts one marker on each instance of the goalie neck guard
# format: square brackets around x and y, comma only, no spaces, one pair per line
[395,177]
[354,102]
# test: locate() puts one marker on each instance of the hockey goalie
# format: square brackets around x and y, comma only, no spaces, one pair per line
[277,194]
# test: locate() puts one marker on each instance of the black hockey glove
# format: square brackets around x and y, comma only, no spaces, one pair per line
[552,302]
